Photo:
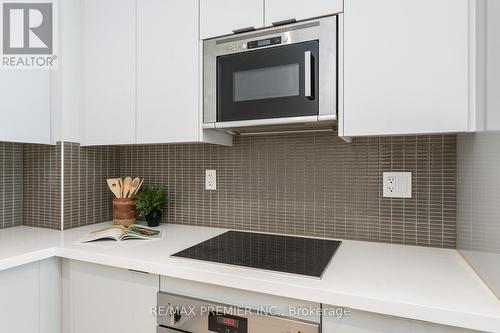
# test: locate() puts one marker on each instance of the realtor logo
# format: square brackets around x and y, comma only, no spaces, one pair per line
[28,34]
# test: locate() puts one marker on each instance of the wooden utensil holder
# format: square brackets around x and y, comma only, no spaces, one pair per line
[124,212]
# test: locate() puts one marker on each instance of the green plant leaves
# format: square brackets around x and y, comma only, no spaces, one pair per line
[150,199]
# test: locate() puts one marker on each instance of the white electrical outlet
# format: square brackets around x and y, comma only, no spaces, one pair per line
[397,184]
[210,180]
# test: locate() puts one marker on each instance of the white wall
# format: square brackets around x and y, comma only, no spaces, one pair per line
[478,203]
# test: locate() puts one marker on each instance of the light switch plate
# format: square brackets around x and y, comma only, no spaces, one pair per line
[397,184]
[210,180]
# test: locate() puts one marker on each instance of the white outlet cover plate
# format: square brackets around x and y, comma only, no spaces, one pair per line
[397,184]
[210,180]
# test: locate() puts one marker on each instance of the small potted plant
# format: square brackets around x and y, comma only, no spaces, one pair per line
[149,202]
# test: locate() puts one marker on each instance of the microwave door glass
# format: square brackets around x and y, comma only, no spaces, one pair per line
[269,82]
[274,82]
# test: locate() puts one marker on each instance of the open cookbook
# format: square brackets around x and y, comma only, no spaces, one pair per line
[120,233]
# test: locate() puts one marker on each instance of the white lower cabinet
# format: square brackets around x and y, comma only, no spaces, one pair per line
[102,299]
[30,298]
[366,322]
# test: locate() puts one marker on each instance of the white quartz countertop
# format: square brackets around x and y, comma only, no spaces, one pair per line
[434,285]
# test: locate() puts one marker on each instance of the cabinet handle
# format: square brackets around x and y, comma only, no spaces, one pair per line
[137,271]
[308,75]
[242,30]
[287,21]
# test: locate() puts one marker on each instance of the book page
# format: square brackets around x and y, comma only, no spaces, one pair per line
[112,233]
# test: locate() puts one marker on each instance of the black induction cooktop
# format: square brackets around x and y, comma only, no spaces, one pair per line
[296,255]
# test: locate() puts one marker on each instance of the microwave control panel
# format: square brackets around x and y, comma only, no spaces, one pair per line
[263,42]
[255,44]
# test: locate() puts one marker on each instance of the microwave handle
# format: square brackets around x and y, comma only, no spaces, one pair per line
[308,75]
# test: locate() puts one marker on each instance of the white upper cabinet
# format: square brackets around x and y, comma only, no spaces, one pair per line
[142,73]
[25,106]
[406,67]
[222,17]
[109,59]
[167,71]
[282,10]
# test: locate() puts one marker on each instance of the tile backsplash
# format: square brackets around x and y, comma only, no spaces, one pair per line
[87,199]
[11,184]
[308,184]
[42,185]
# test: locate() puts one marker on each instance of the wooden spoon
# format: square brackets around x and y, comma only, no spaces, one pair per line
[127,184]
[114,186]
[138,187]
[133,188]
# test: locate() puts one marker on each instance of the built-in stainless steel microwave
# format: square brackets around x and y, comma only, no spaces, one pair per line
[285,75]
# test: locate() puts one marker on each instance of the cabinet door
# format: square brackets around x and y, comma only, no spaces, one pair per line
[30,298]
[167,71]
[405,67]
[101,299]
[19,301]
[50,276]
[280,10]
[25,106]
[109,30]
[221,17]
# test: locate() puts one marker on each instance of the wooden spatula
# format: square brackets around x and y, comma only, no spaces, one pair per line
[135,184]
[114,186]
[127,184]
[120,181]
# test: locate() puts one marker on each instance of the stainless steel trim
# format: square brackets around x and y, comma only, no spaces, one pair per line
[323,29]
[266,32]
[271,121]
[328,67]
[208,126]
[307,74]
[327,117]
[286,132]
